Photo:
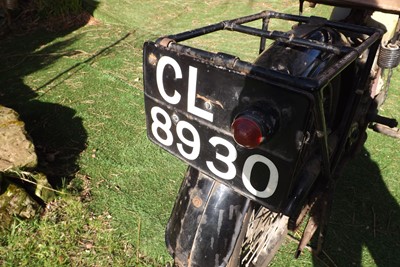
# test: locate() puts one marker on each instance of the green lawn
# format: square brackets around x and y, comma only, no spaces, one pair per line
[80,93]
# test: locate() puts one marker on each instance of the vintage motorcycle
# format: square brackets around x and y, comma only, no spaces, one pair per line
[266,141]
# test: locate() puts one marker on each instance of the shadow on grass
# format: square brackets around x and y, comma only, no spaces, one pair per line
[57,133]
[365,219]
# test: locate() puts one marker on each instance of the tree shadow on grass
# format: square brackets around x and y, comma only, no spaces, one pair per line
[57,133]
[365,220]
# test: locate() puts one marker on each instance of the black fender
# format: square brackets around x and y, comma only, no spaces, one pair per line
[206,222]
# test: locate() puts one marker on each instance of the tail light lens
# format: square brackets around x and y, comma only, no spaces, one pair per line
[247,132]
[251,128]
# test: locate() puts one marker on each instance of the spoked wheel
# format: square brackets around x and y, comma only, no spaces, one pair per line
[264,236]
[265,232]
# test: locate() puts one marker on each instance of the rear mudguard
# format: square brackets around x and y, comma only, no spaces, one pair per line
[206,222]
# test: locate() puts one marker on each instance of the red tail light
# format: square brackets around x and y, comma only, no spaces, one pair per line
[247,132]
[252,127]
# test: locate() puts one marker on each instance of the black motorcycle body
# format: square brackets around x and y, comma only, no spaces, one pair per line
[299,87]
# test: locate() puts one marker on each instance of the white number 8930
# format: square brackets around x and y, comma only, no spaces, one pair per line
[162,123]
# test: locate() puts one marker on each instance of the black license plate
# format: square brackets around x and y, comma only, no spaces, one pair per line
[190,105]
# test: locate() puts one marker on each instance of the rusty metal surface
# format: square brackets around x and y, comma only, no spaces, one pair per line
[392,132]
[205,222]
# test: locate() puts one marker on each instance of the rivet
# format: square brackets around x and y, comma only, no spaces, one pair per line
[197,202]
[208,105]
[175,118]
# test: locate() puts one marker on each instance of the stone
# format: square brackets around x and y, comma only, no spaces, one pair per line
[16,150]
[17,163]
[15,202]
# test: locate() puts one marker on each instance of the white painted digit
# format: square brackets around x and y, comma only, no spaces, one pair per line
[195,143]
[164,61]
[273,177]
[164,126]
[228,160]
[192,97]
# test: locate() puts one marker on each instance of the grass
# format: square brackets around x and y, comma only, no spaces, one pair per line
[80,95]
